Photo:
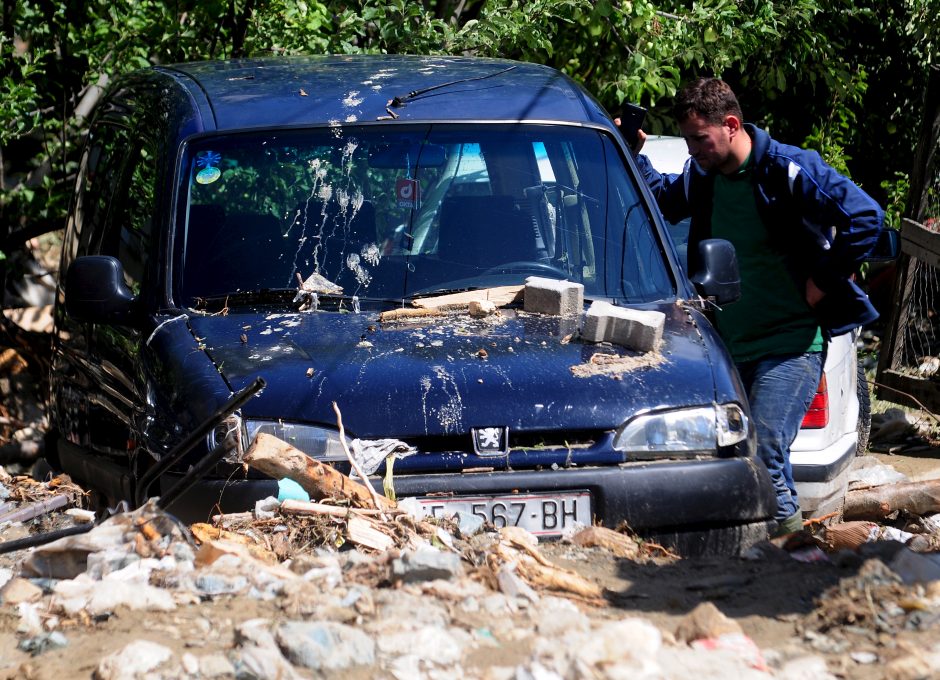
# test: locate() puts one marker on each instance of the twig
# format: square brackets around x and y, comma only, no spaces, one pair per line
[819,520]
[295,507]
[355,465]
[911,397]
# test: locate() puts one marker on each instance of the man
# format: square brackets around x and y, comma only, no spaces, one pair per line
[800,231]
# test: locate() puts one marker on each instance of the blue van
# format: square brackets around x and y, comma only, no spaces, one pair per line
[255,218]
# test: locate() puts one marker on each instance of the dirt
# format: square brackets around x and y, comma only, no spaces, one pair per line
[774,598]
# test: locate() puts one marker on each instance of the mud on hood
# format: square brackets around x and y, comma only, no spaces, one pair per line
[443,375]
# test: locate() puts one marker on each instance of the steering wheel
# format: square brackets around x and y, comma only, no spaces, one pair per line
[528,265]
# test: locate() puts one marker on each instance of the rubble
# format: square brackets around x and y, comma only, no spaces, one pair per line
[351,588]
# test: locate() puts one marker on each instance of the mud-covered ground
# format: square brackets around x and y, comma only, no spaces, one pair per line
[808,613]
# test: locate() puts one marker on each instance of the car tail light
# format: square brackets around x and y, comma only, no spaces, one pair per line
[817,417]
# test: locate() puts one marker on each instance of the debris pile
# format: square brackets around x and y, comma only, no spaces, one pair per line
[430,597]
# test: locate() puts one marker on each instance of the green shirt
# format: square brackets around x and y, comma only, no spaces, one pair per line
[772,317]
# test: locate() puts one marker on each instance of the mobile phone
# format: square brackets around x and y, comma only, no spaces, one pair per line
[631,121]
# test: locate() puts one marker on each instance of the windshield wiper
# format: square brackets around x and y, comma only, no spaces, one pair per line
[435,292]
[398,102]
[297,299]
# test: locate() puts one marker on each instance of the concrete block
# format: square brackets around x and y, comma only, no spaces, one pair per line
[550,296]
[632,328]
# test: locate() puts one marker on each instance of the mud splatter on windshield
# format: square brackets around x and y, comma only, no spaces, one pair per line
[386,212]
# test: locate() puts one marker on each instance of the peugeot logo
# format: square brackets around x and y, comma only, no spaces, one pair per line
[490,441]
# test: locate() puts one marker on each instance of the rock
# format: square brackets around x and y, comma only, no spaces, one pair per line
[468,524]
[220,584]
[435,645]
[425,564]
[216,666]
[19,590]
[137,658]
[411,611]
[479,309]
[325,645]
[43,642]
[910,667]
[260,663]
[705,621]
[556,617]
[512,585]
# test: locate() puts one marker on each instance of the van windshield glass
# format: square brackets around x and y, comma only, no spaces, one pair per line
[393,212]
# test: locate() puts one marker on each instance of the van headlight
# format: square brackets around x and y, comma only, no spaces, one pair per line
[690,431]
[321,443]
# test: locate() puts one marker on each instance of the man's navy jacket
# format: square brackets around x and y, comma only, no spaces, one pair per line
[821,221]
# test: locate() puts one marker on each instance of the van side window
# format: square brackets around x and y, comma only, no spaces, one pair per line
[100,178]
[133,223]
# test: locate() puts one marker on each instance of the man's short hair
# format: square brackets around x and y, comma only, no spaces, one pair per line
[708,98]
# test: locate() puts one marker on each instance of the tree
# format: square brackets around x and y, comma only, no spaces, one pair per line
[828,60]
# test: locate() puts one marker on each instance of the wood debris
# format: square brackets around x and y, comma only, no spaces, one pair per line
[399,314]
[877,503]
[278,459]
[619,544]
[500,296]
[515,547]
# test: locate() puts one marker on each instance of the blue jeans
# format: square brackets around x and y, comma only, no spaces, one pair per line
[780,390]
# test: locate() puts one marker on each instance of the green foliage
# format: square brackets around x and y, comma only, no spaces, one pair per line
[843,77]
[897,190]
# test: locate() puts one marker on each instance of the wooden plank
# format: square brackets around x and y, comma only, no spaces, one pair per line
[920,242]
[909,391]
[499,296]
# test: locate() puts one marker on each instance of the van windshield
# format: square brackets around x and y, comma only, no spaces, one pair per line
[395,211]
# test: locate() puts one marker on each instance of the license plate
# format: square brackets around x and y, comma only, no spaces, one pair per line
[541,514]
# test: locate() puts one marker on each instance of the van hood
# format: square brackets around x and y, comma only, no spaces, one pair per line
[444,375]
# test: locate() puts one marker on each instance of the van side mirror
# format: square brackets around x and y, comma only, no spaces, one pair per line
[95,291]
[717,277]
[887,247]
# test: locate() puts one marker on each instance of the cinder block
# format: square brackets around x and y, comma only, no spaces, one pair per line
[550,296]
[633,328]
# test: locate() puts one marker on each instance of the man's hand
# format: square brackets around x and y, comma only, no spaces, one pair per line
[640,137]
[813,293]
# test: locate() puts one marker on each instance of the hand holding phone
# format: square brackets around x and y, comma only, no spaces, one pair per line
[630,122]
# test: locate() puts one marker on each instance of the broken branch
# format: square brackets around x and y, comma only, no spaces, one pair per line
[278,459]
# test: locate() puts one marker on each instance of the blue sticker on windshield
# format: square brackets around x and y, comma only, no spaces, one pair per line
[208,175]
[207,160]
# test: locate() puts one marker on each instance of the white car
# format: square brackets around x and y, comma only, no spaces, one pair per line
[837,425]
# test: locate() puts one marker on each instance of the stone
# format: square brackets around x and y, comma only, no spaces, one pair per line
[261,663]
[468,524]
[705,621]
[636,329]
[43,642]
[479,309]
[550,296]
[805,668]
[216,666]
[134,660]
[324,645]
[425,564]
[557,617]
[19,590]
[432,644]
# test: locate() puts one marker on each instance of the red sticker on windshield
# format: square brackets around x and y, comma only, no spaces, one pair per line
[407,193]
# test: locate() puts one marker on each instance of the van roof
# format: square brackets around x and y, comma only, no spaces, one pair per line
[338,90]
